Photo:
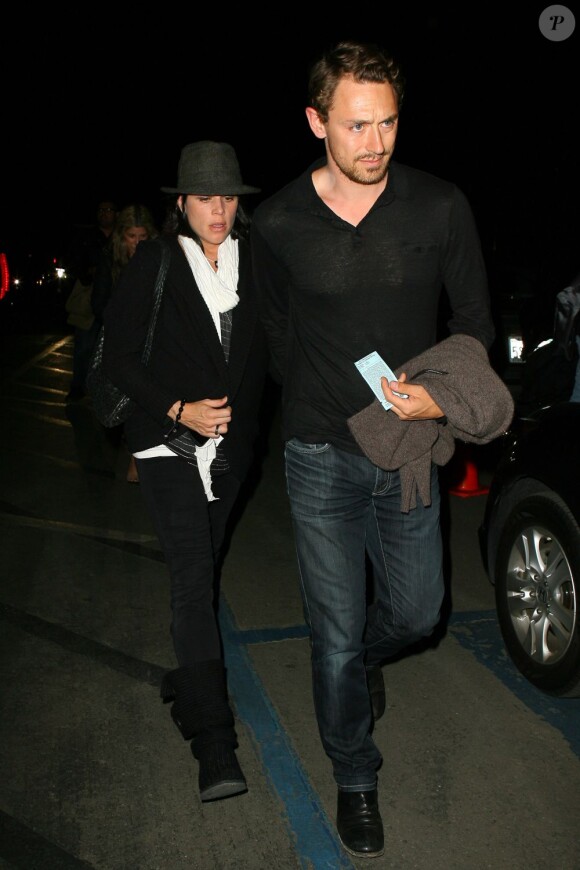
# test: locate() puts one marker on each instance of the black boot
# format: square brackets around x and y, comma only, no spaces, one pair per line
[359,823]
[220,774]
[202,713]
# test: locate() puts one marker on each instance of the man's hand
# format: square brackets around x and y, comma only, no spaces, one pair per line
[419,405]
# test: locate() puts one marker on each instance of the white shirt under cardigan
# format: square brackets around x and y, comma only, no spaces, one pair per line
[219,292]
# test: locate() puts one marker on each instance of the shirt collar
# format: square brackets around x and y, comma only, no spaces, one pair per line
[303,196]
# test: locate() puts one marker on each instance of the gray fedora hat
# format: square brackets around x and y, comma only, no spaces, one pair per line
[208,169]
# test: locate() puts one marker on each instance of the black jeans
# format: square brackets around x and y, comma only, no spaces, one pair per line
[84,344]
[191,531]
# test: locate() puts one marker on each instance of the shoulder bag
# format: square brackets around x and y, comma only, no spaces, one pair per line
[111,406]
[78,306]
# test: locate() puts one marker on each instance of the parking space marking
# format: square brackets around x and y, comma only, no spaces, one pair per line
[479,632]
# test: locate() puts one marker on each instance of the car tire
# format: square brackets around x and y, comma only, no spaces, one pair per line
[537,580]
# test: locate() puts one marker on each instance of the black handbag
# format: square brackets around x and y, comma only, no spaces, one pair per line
[111,406]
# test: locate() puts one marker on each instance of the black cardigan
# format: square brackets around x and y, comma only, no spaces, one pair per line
[187,359]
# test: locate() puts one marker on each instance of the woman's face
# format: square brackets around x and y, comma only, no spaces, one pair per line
[210,217]
[132,237]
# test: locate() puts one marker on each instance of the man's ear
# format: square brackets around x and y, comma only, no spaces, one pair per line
[316,123]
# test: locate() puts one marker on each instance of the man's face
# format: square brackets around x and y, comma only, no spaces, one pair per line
[106,215]
[361,130]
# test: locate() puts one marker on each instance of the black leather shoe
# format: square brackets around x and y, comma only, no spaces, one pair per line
[376,685]
[359,823]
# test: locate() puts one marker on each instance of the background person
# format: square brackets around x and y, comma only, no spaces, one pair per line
[134,224]
[195,424]
[80,262]
[350,258]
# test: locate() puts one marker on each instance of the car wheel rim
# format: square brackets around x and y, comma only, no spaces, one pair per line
[540,593]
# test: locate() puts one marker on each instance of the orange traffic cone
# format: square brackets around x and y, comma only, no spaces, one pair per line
[469,483]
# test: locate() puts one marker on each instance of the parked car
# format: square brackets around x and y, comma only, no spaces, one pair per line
[530,546]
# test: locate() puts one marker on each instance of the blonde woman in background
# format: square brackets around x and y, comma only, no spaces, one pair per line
[134,224]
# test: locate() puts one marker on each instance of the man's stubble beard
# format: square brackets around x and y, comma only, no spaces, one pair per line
[354,172]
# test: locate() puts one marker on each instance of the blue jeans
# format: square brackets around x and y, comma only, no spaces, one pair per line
[344,508]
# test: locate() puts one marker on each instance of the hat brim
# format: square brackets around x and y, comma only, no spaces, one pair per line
[237,191]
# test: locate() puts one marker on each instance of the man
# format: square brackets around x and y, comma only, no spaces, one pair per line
[85,249]
[351,258]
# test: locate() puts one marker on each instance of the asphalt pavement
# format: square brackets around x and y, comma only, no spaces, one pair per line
[480,769]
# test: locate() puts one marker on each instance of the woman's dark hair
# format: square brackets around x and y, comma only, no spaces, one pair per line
[365,62]
[176,223]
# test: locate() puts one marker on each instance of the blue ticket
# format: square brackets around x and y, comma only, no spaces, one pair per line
[373,367]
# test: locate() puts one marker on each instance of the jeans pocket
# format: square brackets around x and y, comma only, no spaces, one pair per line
[297,446]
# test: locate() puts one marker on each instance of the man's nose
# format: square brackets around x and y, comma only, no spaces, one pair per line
[375,140]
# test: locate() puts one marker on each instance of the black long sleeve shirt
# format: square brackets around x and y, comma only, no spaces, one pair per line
[330,292]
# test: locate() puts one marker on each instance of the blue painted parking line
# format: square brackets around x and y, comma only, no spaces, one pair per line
[479,632]
[317,843]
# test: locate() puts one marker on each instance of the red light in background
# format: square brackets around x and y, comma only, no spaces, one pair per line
[4,276]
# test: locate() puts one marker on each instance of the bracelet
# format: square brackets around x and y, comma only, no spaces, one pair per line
[179,413]
[173,429]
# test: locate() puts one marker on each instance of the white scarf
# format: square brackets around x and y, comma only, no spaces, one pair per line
[217,288]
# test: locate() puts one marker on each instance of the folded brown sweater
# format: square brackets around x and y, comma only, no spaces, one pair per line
[476,402]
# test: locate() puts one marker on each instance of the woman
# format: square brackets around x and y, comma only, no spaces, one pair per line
[195,425]
[81,260]
[134,224]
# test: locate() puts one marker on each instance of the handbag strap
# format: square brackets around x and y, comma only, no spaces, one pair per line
[157,296]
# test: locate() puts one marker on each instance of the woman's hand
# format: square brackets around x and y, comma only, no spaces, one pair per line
[419,405]
[208,417]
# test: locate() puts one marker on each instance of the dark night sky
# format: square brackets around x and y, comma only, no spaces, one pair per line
[489,104]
